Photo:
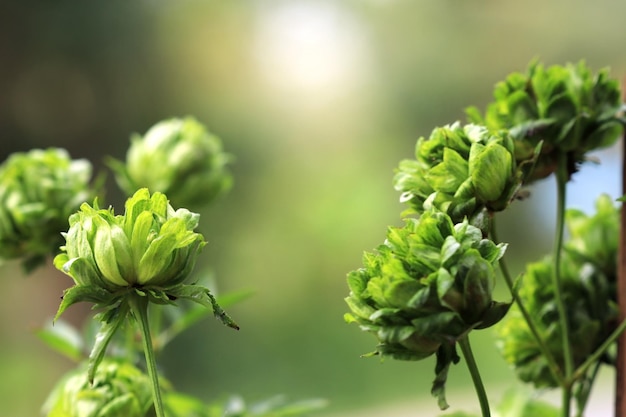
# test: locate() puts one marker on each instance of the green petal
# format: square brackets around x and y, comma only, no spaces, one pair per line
[490,169]
[157,258]
[104,253]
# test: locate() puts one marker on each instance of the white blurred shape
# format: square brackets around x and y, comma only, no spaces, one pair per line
[310,48]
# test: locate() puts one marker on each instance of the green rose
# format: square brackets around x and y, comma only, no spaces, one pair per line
[123,262]
[461,170]
[150,246]
[177,157]
[567,108]
[427,286]
[38,191]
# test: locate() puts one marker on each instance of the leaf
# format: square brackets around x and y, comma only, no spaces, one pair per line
[494,314]
[62,338]
[446,355]
[203,296]
[80,293]
[111,321]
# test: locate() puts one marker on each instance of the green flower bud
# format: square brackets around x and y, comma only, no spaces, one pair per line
[567,108]
[588,273]
[460,170]
[150,246]
[123,262]
[118,389]
[179,158]
[429,284]
[38,191]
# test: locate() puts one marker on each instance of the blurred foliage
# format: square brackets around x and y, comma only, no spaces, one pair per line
[315,146]
[589,276]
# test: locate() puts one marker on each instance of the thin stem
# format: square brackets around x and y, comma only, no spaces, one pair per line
[473,369]
[585,387]
[561,181]
[595,357]
[139,305]
[552,363]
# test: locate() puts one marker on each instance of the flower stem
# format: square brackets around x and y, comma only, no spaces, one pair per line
[473,369]
[139,306]
[552,363]
[561,181]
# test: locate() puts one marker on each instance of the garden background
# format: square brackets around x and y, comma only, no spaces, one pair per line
[318,101]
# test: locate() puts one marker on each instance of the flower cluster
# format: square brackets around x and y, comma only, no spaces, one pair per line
[460,170]
[38,191]
[567,108]
[179,158]
[588,274]
[429,284]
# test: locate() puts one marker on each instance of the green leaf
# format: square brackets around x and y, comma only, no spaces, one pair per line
[62,338]
[80,293]
[494,314]
[193,315]
[446,355]
[111,321]
[203,296]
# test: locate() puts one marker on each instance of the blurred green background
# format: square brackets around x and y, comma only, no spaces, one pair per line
[318,101]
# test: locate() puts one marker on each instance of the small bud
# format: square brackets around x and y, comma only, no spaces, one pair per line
[177,157]
[118,389]
[38,191]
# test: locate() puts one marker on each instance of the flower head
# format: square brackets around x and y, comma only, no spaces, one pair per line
[460,170]
[179,158]
[118,389]
[567,108]
[429,284]
[123,262]
[150,246]
[38,191]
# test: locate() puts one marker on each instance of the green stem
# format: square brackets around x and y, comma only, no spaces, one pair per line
[552,363]
[584,390]
[473,369]
[139,305]
[595,357]
[561,181]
